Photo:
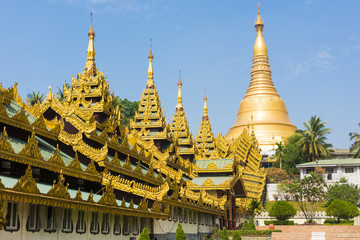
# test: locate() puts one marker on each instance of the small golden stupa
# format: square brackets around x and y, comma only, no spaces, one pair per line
[262,107]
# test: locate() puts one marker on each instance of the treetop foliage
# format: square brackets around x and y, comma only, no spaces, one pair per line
[282,211]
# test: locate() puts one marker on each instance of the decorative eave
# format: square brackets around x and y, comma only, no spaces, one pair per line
[209,185]
[212,168]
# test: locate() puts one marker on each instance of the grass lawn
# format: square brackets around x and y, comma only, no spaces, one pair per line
[319,206]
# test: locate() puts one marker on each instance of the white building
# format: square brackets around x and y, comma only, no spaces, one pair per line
[348,168]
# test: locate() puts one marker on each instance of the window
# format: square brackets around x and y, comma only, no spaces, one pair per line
[134,226]
[329,176]
[117,226]
[329,170]
[81,225]
[309,170]
[67,221]
[94,227]
[180,214]
[349,170]
[170,214]
[126,227]
[105,228]
[33,222]
[12,222]
[175,214]
[50,220]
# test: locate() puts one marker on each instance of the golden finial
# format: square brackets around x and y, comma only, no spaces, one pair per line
[90,64]
[205,104]
[260,46]
[150,82]
[91,31]
[150,54]
[179,105]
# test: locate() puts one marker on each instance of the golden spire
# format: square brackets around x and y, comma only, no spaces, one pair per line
[262,104]
[90,64]
[179,105]
[260,46]
[205,106]
[150,82]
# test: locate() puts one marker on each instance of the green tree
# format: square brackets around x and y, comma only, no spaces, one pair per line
[180,234]
[343,191]
[313,140]
[128,109]
[252,224]
[279,153]
[224,234]
[245,225]
[254,206]
[354,136]
[145,234]
[307,192]
[35,97]
[292,155]
[342,210]
[282,211]
[236,236]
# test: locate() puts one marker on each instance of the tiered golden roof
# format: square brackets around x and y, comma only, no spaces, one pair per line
[149,121]
[271,120]
[205,140]
[183,139]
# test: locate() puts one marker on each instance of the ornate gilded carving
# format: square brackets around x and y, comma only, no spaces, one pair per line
[108,196]
[5,143]
[138,168]
[21,116]
[143,205]
[127,163]
[31,148]
[40,123]
[75,163]
[58,188]
[91,197]
[156,206]
[115,159]
[56,158]
[91,168]
[78,196]
[27,183]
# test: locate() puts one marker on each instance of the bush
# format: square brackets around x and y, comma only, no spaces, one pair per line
[287,222]
[342,210]
[252,224]
[343,191]
[236,236]
[144,234]
[224,234]
[180,234]
[245,225]
[335,221]
[276,175]
[282,211]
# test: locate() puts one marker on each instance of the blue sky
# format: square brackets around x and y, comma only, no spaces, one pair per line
[313,46]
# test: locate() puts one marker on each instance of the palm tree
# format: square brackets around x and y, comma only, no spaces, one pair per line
[60,92]
[356,145]
[254,206]
[279,152]
[35,97]
[313,139]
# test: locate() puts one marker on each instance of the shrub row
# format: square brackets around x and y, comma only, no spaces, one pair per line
[335,221]
[279,222]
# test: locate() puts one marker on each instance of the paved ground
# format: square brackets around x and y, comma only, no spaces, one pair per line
[305,232]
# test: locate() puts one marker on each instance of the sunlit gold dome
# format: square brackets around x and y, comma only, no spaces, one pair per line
[262,106]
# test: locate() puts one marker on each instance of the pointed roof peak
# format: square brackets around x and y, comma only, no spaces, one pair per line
[205,106]
[260,47]
[179,105]
[259,20]
[150,54]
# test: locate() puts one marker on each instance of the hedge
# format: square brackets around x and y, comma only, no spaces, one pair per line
[279,222]
[335,221]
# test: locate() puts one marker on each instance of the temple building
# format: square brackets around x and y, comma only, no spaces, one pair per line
[70,169]
[262,106]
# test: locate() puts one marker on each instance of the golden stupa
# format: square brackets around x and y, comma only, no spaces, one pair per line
[262,107]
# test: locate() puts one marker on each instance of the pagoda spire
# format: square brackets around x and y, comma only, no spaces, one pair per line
[90,64]
[179,105]
[262,105]
[150,82]
[205,106]
[260,45]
